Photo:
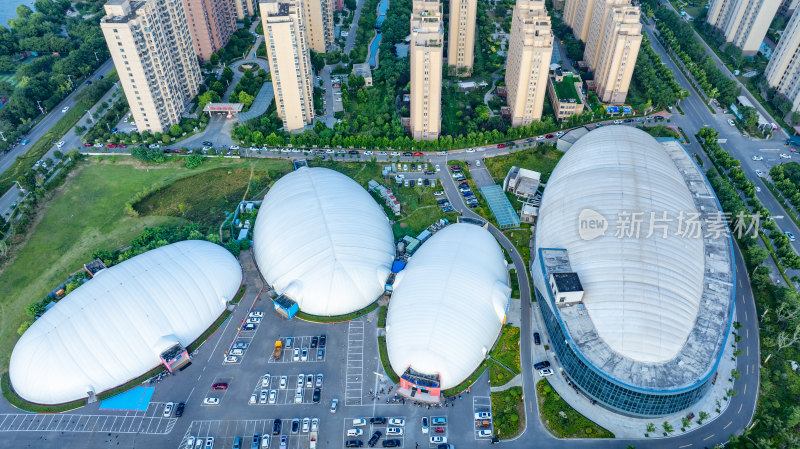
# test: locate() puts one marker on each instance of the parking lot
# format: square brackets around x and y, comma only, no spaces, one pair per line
[300,349]
[225,431]
[354,370]
[285,389]
[150,421]
[362,428]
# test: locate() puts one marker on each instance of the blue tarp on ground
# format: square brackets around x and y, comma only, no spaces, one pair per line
[135,399]
[398,265]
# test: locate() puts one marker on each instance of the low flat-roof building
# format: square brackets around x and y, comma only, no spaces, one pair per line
[562,88]
[365,71]
[522,182]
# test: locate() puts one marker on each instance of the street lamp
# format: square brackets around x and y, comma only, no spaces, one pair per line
[95,57]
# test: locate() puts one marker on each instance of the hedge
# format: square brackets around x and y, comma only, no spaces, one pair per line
[338,318]
[387,367]
[15,400]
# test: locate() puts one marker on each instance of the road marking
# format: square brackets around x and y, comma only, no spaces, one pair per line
[726,426]
[740,283]
[710,436]
[686,445]
[745,389]
[747,332]
[748,351]
[740,408]
[745,315]
[354,371]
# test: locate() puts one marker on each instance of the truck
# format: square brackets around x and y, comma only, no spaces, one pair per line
[312,438]
[276,353]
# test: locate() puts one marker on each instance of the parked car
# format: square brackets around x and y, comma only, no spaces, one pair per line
[231,359]
[541,365]
[545,372]
[359,422]
[220,386]
[374,438]
[168,409]
[377,420]
[284,381]
[211,401]
[394,442]
[316,396]
[353,443]
[438,439]
[334,405]
[483,415]
[536,338]
[323,339]
[425,424]
[276,427]
[296,425]
[439,421]
[179,409]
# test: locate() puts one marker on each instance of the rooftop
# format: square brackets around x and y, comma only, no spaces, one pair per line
[565,89]
[567,282]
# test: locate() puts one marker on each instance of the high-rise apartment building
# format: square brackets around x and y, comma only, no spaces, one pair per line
[461,36]
[289,61]
[427,40]
[578,15]
[783,70]
[245,8]
[530,47]
[211,24]
[788,7]
[600,16]
[318,20]
[154,55]
[744,23]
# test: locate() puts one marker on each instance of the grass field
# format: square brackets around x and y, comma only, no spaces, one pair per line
[508,411]
[530,159]
[85,215]
[561,419]
[506,351]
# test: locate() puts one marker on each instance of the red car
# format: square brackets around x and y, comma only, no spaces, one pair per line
[501,145]
[220,386]
[122,145]
[455,167]
[549,136]
[87,144]
[418,154]
[438,429]
[112,145]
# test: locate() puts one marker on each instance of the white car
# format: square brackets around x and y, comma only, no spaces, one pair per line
[65,109]
[253,398]
[394,431]
[266,379]
[382,153]
[359,422]
[400,422]
[314,424]
[310,381]
[329,151]
[231,359]
[284,381]
[256,314]
[438,192]
[237,351]
[425,425]
[368,153]
[730,122]
[485,433]
[198,444]
[395,153]
[617,122]
[211,401]
[190,443]
[285,150]
[60,144]
[298,396]
[355,432]
[334,405]
[273,396]
[304,354]
[758,158]
[263,397]
[265,439]
[234,147]
[168,409]
[319,380]
[759,173]
[560,133]
[253,320]
[545,372]
[300,379]
[470,150]
[306,424]
[98,145]
[785,156]
[483,415]
[438,168]
[438,439]
[758,189]
[537,138]
[296,354]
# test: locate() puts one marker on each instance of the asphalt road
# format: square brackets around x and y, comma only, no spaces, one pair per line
[51,118]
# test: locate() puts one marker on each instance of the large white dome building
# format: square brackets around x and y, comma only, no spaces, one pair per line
[448,306]
[637,305]
[114,327]
[323,241]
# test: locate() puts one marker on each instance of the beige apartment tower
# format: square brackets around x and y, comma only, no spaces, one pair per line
[289,62]
[783,69]
[318,20]
[744,23]
[530,47]
[461,36]
[426,48]
[211,24]
[154,56]
[245,8]
[615,37]
[578,15]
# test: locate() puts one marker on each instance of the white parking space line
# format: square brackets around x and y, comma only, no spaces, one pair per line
[298,342]
[481,404]
[224,431]
[354,372]
[87,423]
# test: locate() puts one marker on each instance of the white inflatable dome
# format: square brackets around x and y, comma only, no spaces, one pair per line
[642,294]
[114,327]
[448,305]
[322,240]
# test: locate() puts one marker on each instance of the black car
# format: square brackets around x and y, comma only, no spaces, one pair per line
[377,420]
[442,201]
[536,338]
[374,438]
[541,365]
[353,443]
[314,341]
[322,340]
[408,153]
[352,152]
[315,397]
[391,443]
[179,409]
[207,143]
[295,425]
[256,441]
[276,427]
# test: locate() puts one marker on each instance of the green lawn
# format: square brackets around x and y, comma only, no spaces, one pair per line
[498,375]
[508,412]
[521,239]
[86,214]
[561,419]
[533,159]
[506,351]
[565,89]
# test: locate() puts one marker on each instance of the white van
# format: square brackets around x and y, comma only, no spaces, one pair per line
[355,432]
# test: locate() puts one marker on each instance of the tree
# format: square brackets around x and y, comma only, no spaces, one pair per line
[227,74]
[246,99]
[175,130]
[194,161]
[214,59]
[668,429]
[34,309]
[24,326]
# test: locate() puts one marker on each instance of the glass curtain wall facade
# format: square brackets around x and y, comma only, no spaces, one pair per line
[612,395]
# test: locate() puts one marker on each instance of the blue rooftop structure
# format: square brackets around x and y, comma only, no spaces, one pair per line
[501,208]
